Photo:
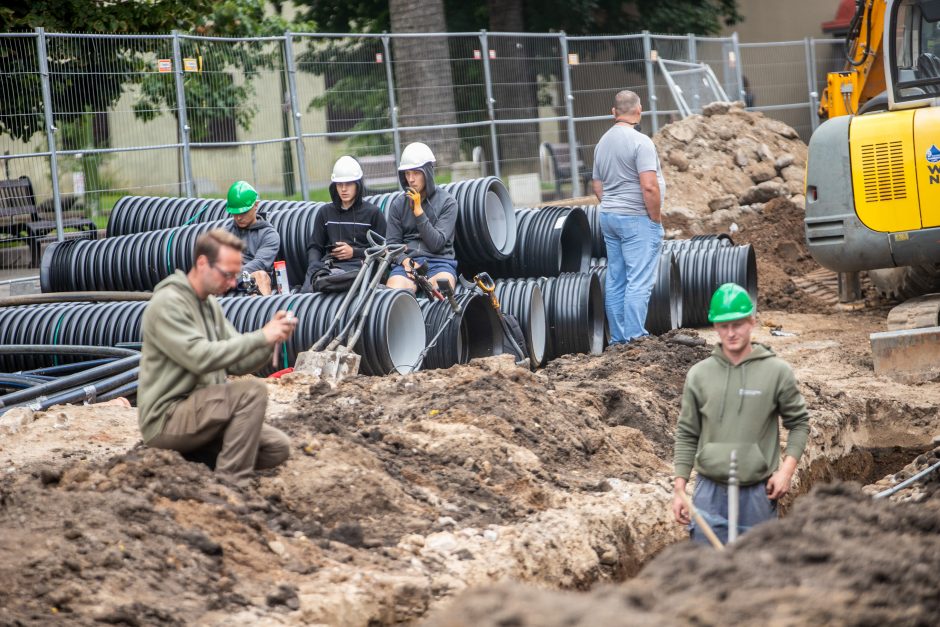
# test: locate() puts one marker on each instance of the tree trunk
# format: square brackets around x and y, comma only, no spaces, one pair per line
[424,88]
[515,87]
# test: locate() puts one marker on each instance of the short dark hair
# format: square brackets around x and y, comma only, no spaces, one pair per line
[210,242]
[626,101]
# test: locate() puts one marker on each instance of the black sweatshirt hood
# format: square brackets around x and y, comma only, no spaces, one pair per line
[430,186]
[360,185]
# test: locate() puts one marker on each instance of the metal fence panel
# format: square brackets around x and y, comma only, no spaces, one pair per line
[176,114]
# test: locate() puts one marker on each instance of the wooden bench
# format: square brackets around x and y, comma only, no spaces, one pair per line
[16,207]
[41,220]
[380,173]
[559,162]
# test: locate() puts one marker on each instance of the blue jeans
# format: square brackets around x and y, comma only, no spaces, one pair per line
[633,248]
[710,500]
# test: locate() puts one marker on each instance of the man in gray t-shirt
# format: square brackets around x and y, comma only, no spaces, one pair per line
[629,183]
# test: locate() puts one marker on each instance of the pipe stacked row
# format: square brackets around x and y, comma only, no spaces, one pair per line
[574,312]
[486,221]
[473,332]
[705,262]
[140,214]
[391,340]
[139,261]
[665,310]
[550,241]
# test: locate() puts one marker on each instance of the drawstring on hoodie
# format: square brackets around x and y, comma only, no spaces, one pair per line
[743,386]
[721,411]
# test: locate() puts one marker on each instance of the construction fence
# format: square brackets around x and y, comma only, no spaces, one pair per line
[86,119]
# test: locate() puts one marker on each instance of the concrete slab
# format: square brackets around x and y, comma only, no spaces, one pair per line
[909,355]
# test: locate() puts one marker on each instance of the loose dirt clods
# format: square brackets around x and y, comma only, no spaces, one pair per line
[403,493]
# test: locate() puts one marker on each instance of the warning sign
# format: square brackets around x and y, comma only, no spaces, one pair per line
[379,57]
[190,65]
[477,55]
[492,54]
[573,58]
[164,65]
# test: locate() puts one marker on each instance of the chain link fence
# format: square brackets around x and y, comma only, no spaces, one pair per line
[86,119]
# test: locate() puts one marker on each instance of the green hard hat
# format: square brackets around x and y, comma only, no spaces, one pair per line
[730,302]
[241,198]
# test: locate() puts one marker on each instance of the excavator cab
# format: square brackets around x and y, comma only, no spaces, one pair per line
[913,58]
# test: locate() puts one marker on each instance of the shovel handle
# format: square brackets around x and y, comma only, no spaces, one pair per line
[701,522]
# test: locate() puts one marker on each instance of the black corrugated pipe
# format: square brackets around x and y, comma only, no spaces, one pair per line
[486,222]
[665,306]
[550,241]
[575,306]
[598,245]
[474,332]
[140,214]
[702,270]
[699,242]
[522,298]
[138,262]
[392,339]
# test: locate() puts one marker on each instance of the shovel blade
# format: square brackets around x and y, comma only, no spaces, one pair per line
[328,365]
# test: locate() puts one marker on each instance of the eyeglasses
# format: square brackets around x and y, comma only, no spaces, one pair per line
[228,276]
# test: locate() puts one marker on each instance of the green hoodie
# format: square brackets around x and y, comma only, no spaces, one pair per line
[727,407]
[188,344]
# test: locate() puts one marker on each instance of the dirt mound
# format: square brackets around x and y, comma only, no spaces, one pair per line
[839,557]
[727,159]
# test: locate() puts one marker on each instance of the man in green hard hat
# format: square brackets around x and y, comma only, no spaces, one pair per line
[731,402]
[261,239]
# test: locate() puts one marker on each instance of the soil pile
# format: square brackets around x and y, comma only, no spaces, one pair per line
[728,159]
[401,491]
[839,557]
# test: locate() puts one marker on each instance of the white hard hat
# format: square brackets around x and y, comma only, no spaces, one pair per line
[414,156]
[346,170]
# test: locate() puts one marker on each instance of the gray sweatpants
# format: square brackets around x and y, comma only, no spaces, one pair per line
[710,500]
[233,412]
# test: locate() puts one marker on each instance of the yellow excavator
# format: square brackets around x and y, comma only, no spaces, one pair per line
[873,167]
[873,177]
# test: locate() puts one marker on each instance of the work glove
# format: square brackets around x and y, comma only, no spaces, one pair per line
[415,201]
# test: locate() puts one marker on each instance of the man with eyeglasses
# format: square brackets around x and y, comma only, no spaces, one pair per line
[184,400]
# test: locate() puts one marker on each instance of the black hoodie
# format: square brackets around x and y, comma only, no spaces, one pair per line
[334,224]
[432,234]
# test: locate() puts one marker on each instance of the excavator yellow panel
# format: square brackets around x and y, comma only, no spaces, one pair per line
[927,163]
[884,180]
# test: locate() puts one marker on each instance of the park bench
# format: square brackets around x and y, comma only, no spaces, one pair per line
[380,173]
[558,156]
[18,200]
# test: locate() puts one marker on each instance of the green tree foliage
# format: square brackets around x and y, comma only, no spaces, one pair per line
[576,17]
[86,87]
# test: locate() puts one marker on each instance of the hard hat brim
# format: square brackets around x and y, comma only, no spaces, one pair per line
[236,211]
[345,179]
[730,316]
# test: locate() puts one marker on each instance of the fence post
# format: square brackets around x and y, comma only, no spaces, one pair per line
[490,101]
[181,115]
[811,82]
[569,111]
[295,114]
[392,103]
[50,129]
[650,78]
[738,65]
[693,50]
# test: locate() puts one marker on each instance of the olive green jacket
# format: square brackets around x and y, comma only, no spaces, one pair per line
[188,344]
[729,407]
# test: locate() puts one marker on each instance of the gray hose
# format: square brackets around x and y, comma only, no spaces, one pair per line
[69,382]
[87,393]
[69,297]
[907,482]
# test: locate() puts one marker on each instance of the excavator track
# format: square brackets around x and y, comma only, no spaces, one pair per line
[916,313]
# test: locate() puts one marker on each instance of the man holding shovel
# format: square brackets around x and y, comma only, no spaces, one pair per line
[731,402]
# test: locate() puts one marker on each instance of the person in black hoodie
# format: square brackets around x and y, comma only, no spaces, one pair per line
[423,219]
[338,242]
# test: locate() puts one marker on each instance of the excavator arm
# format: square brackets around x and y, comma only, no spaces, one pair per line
[862,78]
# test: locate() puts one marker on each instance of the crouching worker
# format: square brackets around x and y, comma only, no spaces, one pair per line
[731,402]
[262,241]
[423,219]
[184,401]
[338,243]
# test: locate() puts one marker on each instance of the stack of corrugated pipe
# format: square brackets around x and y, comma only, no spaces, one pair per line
[689,272]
